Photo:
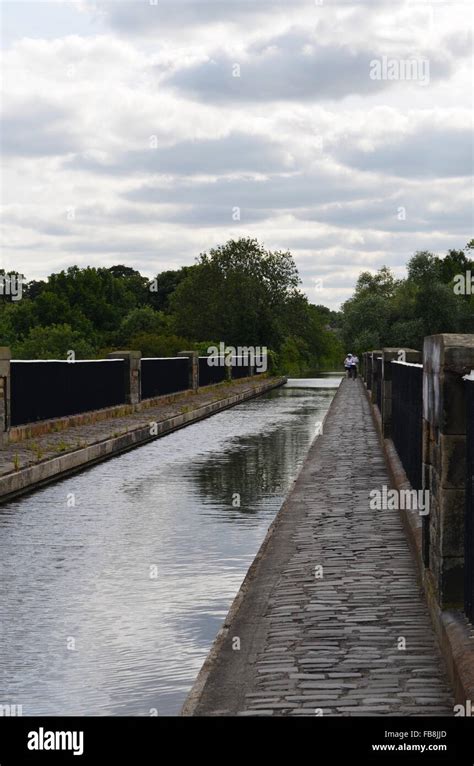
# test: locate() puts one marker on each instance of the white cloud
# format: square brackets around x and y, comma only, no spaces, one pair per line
[317,157]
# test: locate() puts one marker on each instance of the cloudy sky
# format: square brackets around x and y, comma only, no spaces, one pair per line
[146,132]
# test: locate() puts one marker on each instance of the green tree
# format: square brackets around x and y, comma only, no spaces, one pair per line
[166,284]
[239,292]
[142,320]
[158,345]
[53,342]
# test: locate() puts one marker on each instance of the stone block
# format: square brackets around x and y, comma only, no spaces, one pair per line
[193,368]
[451,583]
[451,522]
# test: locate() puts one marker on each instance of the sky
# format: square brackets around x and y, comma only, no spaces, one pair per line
[147,132]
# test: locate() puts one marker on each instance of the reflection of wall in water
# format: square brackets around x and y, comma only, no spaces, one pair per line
[264,463]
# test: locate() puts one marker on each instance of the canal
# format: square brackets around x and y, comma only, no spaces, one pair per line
[115,581]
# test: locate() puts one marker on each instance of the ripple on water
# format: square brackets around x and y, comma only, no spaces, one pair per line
[110,607]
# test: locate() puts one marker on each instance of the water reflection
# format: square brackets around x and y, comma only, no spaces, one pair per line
[110,605]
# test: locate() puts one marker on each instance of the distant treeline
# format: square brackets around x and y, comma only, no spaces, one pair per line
[238,293]
[243,295]
[437,296]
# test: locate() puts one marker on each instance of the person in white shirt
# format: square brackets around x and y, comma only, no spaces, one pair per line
[348,364]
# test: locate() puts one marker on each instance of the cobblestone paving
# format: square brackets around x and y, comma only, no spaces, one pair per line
[31,451]
[332,642]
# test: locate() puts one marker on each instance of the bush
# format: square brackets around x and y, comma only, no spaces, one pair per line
[53,342]
[158,345]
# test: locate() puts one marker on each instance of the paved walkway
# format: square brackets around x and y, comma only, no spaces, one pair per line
[330,645]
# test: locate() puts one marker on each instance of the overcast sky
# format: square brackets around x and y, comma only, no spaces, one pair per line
[138,133]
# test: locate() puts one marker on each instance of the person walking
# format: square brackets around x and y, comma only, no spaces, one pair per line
[348,365]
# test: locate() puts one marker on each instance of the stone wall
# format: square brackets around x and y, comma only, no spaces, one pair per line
[446,359]
[5,357]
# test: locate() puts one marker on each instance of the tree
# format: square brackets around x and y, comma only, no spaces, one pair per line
[239,292]
[158,345]
[423,267]
[387,312]
[142,320]
[53,342]
[166,284]
[383,283]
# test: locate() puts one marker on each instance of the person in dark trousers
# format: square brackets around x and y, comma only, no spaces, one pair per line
[348,365]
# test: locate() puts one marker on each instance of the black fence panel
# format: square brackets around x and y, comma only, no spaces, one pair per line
[240,367]
[407,418]
[469,514]
[54,389]
[368,371]
[379,363]
[209,374]
[262,364]
[165,375]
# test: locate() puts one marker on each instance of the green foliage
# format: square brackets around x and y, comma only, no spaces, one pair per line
[246,295]
[293,357]
[166,284]
[201,347]
[388,312]
[142,320]
[239,292]
[158,345]
[52,342]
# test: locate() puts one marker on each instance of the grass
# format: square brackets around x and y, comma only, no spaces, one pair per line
[57,427]
[62,446]
[35,447]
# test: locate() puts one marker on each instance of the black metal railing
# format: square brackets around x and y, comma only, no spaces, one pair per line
[164,375]
[368,370]
[378,382]
[211,370]
[407,418]
[45,389]
[239,367]
[41,390]
[469,513]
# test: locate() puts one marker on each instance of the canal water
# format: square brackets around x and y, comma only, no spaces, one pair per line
[115,581]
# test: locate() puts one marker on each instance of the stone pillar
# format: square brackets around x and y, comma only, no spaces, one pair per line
[373,374]
[446,359]
[5,391]
[193,368]
[250,366]
[388,354]
[132,372]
